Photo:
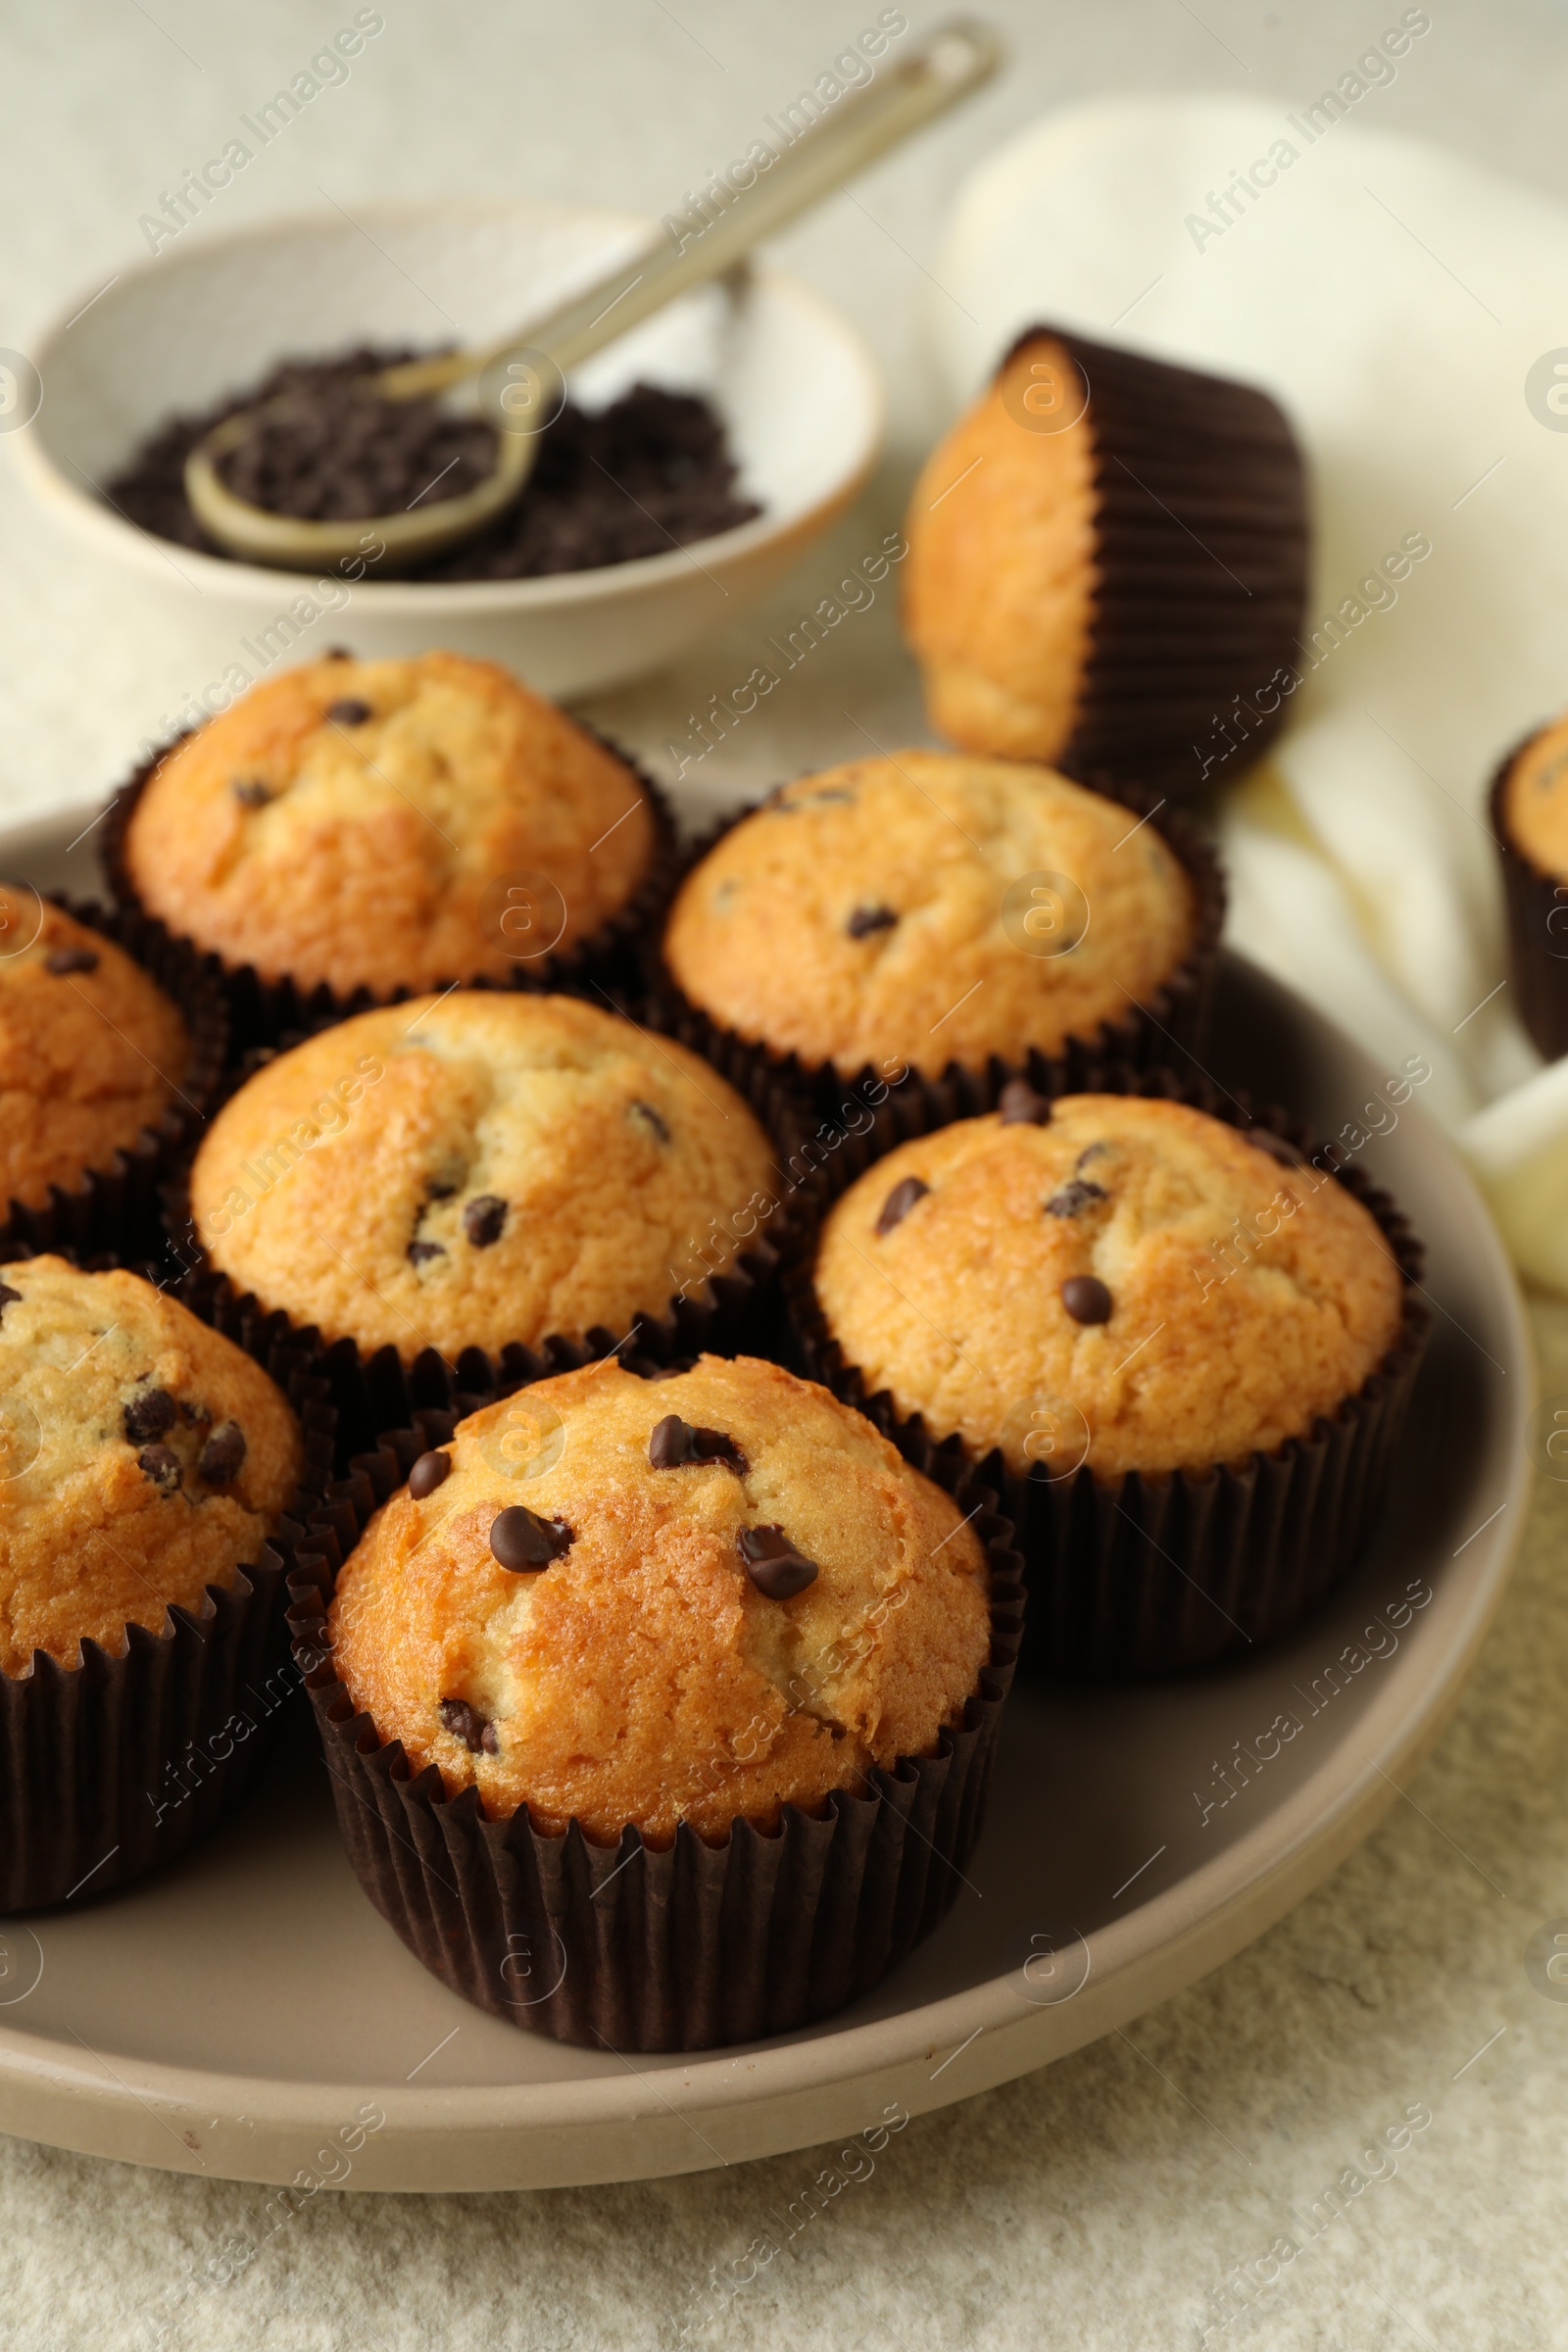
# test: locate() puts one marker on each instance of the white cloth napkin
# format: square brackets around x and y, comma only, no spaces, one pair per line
[1394,299]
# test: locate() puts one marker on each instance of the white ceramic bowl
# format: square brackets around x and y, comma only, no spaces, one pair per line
[798,390]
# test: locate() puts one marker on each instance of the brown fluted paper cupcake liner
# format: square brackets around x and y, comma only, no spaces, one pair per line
[1172,1023]
[1536,907]
[266,1010]
[1150,1573]
[115,1210]
[1202,543]
[721,1313]
[631,1946]
[116,1765]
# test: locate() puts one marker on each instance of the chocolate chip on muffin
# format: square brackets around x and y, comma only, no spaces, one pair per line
[484,1219]
[149,1414]
[63,961]
[520,1539]
[899,1202]
[464,1722]
[674,1443]
[774,1564]
[1075,1196]
[223,1455]
[430,1471]
[866,920]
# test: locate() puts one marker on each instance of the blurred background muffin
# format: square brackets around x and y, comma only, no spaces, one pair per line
[478,1169]
[930,908]
[1107,566]
[1530,824]
[387,825]
[92,1052]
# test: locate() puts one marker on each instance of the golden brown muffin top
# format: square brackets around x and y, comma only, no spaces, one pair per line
[142,1458]
[928,907]
[642,1674]
[1002,569]
[1132,1284]
[1534,800]
[476,1169]
[91,1050]
[360,823]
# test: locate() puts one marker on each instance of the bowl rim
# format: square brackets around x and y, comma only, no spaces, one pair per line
[239,582]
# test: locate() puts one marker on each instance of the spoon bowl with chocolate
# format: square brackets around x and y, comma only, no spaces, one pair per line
[692,466]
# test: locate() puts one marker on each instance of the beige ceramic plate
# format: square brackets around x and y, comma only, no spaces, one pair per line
[236,2015]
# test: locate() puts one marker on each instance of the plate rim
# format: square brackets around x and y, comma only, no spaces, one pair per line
[485,2130]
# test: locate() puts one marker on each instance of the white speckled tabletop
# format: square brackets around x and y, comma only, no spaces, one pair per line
[1105,2201]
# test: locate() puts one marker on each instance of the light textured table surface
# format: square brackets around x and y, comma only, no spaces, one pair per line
[1100,2202]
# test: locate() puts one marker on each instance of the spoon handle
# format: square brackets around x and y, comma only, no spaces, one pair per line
[957,59]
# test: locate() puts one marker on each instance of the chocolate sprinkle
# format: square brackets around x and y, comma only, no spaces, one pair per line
[1019,1105]
[251,792]
[349,711]
[774,1564]
[866,920]
[430,1471]
[520,1539]
[650,471]
[899,1202]
[160,1464]
[419,1251]
[1086,1298]
[148,1415]
[1074,1198]
[483,1219]
[222,1455]
[646,1110]
[61,961]
[464,1724]
[674,1443]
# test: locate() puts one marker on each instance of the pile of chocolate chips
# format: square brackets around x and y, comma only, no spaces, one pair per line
[650,472]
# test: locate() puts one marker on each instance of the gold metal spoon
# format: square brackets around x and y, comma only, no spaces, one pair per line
[523,374]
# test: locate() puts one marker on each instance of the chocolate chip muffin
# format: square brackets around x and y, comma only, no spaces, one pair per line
[929,907]
[380,825]
[91,1050]
[1127,1278]
[722,1595]
[1530,823]
[475,1169]
[142,1458]
[1107,566]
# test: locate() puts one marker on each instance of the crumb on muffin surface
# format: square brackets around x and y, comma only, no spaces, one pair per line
[142,1457]
[478,1168]
[1225,1295]
[91,1052]
[642,1676]
[862,915]
[344,822]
